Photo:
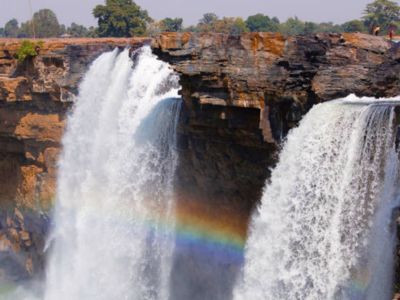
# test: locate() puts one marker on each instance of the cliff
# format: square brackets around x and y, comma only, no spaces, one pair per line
[280,76]
[35,97]
[242,95]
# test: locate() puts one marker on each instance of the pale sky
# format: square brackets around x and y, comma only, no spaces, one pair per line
[80,11]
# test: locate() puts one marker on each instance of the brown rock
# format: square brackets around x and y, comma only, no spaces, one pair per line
[35,97]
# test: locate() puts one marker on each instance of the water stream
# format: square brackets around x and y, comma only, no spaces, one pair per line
[324,229]
[113,236]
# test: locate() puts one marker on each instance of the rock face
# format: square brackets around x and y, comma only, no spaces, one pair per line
[280,76]
[35,97]
[249,90]
[243,93]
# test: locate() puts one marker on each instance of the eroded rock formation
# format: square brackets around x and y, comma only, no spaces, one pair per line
[35,97]
[242,95]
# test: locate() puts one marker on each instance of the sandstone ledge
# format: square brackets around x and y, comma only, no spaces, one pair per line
[281,76]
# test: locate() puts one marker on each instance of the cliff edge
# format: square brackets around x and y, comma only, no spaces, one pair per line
[35,97]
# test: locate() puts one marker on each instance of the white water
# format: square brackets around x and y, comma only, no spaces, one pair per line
[323,229]
[114,195]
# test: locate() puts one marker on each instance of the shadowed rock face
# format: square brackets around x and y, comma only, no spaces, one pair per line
[242,95]
[35,97]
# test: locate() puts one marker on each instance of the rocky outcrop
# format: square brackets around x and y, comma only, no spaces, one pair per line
[248,90]
[242,95]
[280,76]
[35,97]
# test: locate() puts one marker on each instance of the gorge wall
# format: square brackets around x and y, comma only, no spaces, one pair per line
[241,95]
[35,97]
[244,93]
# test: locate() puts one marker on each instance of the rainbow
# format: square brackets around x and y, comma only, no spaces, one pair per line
[197,230]
[209,233]
[358,284]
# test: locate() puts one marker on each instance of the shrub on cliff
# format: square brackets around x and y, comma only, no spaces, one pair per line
[28,49]
[121,18]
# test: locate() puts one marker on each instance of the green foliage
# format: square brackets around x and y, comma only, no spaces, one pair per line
[11,29]
[25,31]
[275,20]
[329,27]
[262,23]
[382,13]
[355,26]
[93,32]
[226,25]
[310,27]
[46,24]
[239,26]
[28,49]
[191,28]
[208,19]
[76,30]
[292,26]
[121,18]
[172,25]
[2,32]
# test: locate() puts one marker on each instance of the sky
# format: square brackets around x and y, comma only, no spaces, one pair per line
[80,11]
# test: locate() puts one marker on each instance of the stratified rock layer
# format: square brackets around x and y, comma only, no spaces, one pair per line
[35,97]
[281,76]
[242,95]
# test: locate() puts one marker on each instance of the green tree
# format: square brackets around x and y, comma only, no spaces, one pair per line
[2,32]
[355,25]
[261,22]
[310,27]
[46,23]
[239,26]
[191,28]
[224,25]
[382,13]
[11,29]
[172,25]
[292,26]
[329,27]
[93,32]
[154,29]
[63,29]
[76,30]
[26,30]
[208,19]
[121,18]
[275,20]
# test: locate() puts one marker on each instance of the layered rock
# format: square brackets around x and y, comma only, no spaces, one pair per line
[35,97]
[280,76]
[242,95]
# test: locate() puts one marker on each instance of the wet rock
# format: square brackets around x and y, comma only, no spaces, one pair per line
[35,97]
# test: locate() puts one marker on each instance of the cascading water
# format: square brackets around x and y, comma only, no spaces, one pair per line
[323,228]
[113,237]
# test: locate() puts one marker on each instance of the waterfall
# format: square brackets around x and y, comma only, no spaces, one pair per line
[324,228]
[113,235]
